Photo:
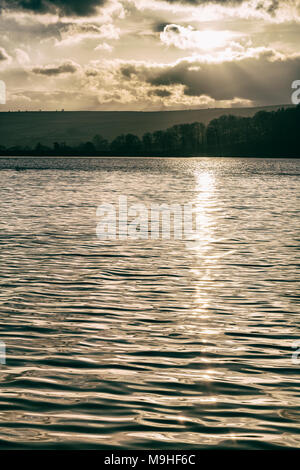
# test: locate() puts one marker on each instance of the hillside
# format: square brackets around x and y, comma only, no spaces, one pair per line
[29,128]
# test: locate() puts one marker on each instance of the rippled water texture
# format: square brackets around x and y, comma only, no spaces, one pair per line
[149,344]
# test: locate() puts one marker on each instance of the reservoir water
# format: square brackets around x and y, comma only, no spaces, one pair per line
[149,344]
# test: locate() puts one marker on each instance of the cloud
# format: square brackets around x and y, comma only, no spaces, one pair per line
[228,3]
[260,77]
[62,7]
[158,27]
[160,93]
[56,99]
[107,30]
[269,5]
[189,38]
[53,70]
[104,47]
[75,33]
[201,11]
[130,86]
[22,57]
[173,54]
[3,55]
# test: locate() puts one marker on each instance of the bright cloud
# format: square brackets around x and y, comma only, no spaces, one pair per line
[189,38]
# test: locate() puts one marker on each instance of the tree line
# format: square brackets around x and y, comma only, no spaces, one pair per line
[274,133]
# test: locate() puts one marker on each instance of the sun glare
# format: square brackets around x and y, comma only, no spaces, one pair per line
[213,39]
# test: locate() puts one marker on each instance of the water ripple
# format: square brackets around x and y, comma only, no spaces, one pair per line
[156,344]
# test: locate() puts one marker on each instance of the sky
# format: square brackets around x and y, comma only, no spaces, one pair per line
[148,55]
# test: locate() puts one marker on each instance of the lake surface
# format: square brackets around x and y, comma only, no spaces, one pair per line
[149,344]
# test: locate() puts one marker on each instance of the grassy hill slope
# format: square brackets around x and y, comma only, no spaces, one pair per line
[29,128]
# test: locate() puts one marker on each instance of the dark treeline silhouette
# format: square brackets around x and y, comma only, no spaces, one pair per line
[265,134]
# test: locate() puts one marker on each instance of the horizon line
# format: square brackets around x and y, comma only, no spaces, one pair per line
[143,111]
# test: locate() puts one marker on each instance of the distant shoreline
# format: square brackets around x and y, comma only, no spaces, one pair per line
[264,135]
[150,156]
[28,128]
[280,105]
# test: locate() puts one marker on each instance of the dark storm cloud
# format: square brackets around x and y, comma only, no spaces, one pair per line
[159,27]
[274,5]
[88,7]
[263,80]
[55,70]
[128,71]
[63,7]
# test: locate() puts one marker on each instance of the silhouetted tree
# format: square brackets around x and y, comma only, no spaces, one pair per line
[100,143]
[265,134]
